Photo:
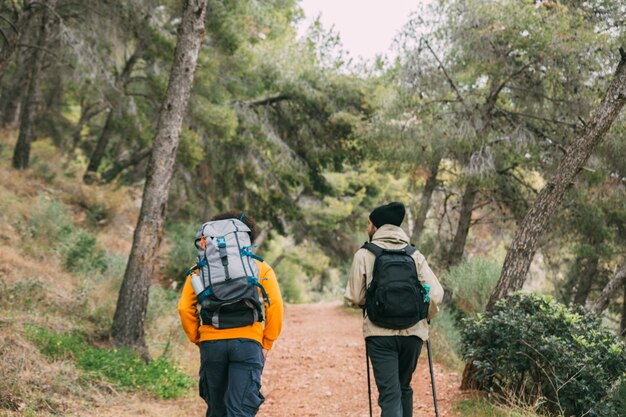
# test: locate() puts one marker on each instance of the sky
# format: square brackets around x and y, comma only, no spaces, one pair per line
[366,27]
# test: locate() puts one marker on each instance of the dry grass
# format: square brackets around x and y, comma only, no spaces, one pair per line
[36,288]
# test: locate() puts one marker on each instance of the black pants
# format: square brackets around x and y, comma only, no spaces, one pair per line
[230,377]
[394,359]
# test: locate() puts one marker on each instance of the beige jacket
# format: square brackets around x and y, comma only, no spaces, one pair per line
[390,237]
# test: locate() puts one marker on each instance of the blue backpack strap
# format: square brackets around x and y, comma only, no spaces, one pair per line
[255,282]
[245,251]
[204,294]
[197,266]
[410,250]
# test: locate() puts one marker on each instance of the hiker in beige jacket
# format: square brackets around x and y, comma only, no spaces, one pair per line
[393,352]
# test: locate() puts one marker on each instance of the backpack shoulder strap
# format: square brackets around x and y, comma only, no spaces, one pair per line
[410,250]
[375,249]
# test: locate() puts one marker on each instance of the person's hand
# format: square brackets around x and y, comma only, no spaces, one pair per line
[265,352]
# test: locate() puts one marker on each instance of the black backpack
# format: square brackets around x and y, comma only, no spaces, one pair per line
[395,299]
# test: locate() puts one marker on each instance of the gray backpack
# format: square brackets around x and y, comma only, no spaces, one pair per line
[227,285]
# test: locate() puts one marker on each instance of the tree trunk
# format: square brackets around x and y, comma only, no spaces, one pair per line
[590,271]
[98,153]
[21,153]
[116,107]
[13,37]
[458,244]
[618,281]
[521,252]
[278,260]
[12,98]
[130,314]
[427,194]
[623,323]
[265,232]
[88,112]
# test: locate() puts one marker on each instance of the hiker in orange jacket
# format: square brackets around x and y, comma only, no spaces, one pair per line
[232,358]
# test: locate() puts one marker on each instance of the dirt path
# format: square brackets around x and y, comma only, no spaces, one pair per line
[318,369]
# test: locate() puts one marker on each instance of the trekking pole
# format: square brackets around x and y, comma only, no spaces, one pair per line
[432,376]
[369,384]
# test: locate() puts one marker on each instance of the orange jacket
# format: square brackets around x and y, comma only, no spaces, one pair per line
[265,335]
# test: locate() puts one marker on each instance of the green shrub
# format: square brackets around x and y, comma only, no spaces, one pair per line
[540,351]
[82,255]
[182,253]
[24,294]
[471,284]
[480,407]
[291,278]
[48,228]
[446,338]
[122,367]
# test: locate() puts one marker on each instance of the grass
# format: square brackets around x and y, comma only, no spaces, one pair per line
[471,283]
[121,367]
[481,407]
[446,339]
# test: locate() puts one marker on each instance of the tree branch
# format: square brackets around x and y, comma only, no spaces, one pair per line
[617,282]
[493,96]
[267,101]
[46,50]
[532,116]
[5,37]
[10,23]
[443,69]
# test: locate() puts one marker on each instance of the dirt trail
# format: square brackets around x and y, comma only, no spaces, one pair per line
[318,369]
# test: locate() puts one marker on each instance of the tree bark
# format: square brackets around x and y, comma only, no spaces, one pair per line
[618,281]
[12,97]
[623,323]
[590,271]
[21,153]
[521,252]
[427,194]
[98,153]
[130,314]
[458,244]
[14,36]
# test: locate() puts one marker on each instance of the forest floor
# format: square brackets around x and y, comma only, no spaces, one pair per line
[317,368]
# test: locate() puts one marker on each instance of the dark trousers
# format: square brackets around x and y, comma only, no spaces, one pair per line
[394,359]
[230,377]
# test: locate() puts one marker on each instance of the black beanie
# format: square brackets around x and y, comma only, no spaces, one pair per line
[392,213]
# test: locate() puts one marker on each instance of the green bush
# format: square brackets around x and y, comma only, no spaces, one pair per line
[82,254]
[50,230]
[471,283]
[122,367]
[23,295]
[542,352]
[446,339]
[291,278]
[182,253]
